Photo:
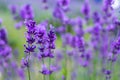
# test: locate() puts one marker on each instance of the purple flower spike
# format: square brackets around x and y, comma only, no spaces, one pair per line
[61,29]
[41,30]
[29,48]
[45,71]
[21,74]
[13,9]
[24,63]
[30,39]
[116,46]
[81,45]
[51,35]
[3,34]
[96,17]
[26,12]
[30,36]
[86,9]
[58,13]
[18,25]
[64,4]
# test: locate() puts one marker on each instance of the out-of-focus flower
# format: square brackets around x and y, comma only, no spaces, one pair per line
[45,70]
[64,4]
[24,63]
[58,13]
[86,10]
[3,34]
[26,12]
[96,17]
[116,46]
[13,9]
[21,73]
[18,25]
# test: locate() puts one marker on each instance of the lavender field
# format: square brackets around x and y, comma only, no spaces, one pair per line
[59,40]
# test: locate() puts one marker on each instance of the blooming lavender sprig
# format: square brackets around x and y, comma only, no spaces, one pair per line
[51,40]
[29,47]
[30,36]
[86,10]
[107,7]
[41,35]
[46,46]
[45,39]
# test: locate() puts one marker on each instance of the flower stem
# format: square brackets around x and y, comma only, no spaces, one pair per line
[43,64]
[49,68]
[43,77]
[28,68]
[65,66]
[28,73]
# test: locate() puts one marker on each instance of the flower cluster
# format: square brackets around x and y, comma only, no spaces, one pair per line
[41,39]
[46,42]
[86,39]
[8,65]
[24,13]
[30,39]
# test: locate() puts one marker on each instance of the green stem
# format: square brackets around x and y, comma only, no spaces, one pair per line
[28,68]
[43,64]
[28,73]
[65,64]
[43,77]
[65,67]
[49,68]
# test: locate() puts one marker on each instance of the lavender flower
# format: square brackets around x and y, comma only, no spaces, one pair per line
[58,13]
[19,15]
[116,46]
[24,63]
[108,74]
[41,35]
[18,25]
[26,12]
[46,71]
[96,17]
[107,7]
[29,47]
[86,10]
[51,37]
[77,24]
[13,9]
[61,30]
[3,35]
[21,74]
[8,65]
[45,4]
[64,4]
